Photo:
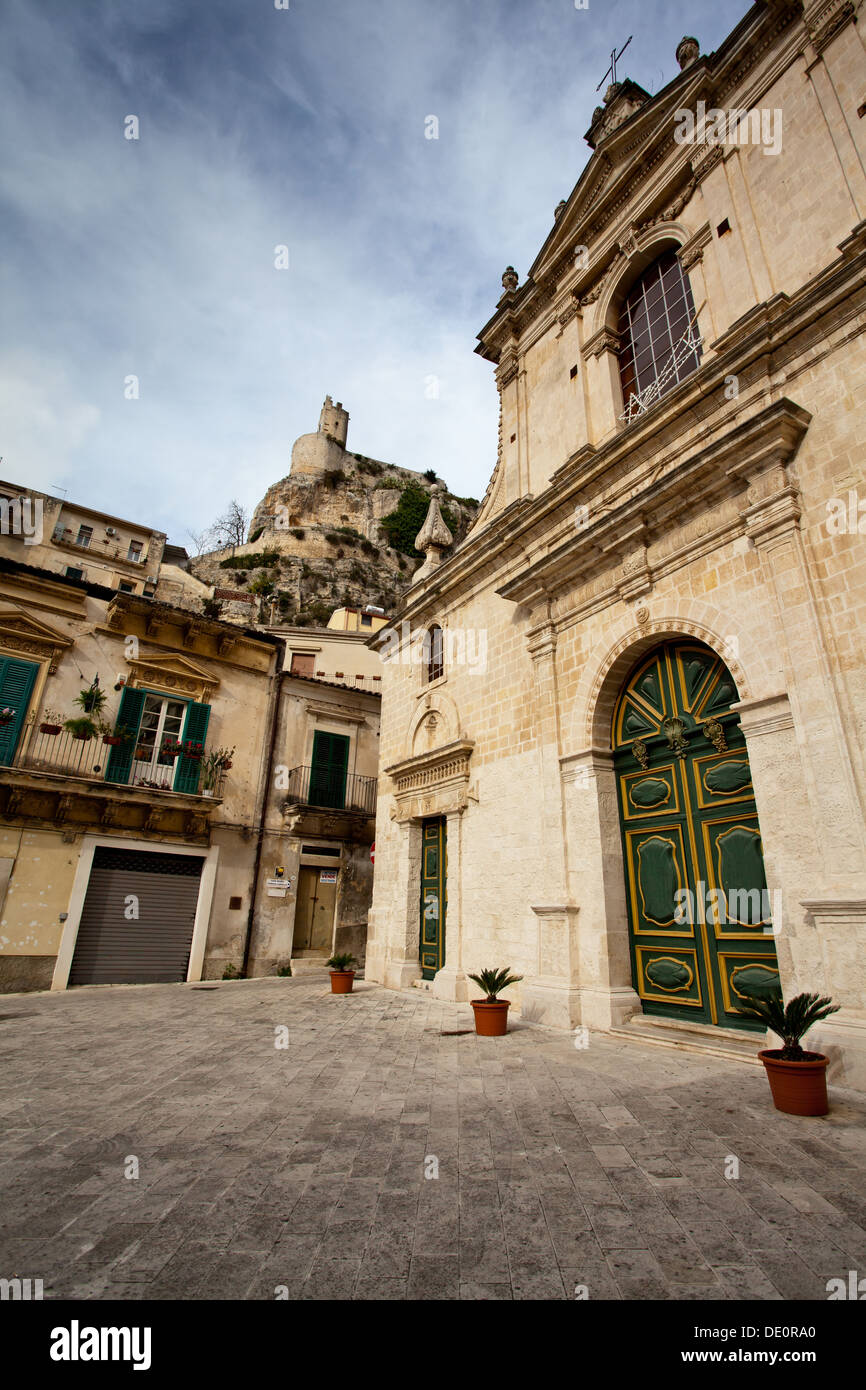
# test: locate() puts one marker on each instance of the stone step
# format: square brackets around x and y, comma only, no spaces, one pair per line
[733,1044]
[309,962]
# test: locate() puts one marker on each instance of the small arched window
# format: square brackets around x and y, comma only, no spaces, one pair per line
[434,649]
[659,341]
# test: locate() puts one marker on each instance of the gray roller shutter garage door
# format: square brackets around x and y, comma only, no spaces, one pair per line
[116,947]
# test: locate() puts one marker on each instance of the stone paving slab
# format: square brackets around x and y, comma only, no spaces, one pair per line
[375,1157]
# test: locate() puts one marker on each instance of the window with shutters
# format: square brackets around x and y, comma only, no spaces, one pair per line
[17,679]
[330,763]
[303,664]
[151,723]
[134,552]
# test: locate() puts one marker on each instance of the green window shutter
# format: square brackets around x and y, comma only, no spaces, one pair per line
[17,679]
[328,772]
[186,778]
[129,714]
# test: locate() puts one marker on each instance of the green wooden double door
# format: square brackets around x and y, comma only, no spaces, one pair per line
[700,914]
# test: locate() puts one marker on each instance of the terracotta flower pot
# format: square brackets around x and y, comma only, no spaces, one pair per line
[82,738]
[111,740]
[491,1017]
[49,728]
[341,981]
[798,1088]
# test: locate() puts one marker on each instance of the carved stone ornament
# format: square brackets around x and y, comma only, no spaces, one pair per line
[688,51]
[432,783]
[510,278]
[433,538]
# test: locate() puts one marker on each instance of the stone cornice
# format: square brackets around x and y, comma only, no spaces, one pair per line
[762,336]
[769,439]
[432,783]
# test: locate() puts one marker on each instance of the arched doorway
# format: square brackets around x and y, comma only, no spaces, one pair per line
[700,915]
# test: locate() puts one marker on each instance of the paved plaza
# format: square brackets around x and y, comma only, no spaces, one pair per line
[287,1139]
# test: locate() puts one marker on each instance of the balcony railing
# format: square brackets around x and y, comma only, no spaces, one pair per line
[334,790]
[65,755]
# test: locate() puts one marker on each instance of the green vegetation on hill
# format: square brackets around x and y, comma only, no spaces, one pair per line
[403,524]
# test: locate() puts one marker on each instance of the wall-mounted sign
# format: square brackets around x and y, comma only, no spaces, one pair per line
[328,876]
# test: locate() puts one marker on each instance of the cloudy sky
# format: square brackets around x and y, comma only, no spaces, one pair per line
[301,127]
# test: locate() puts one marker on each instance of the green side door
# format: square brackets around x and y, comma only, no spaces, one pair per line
[434,871]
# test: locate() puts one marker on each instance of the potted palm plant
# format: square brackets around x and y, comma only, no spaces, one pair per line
[342,975]
[798,1080]
[491,1012]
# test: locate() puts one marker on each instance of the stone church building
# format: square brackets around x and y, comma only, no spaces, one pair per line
[623,735]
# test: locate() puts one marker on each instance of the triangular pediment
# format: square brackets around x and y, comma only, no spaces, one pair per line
[174,672]
[14,621]
[625,158]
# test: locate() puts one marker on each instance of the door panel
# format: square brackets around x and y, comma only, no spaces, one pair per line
[700,915]
[314,912]
[433,896]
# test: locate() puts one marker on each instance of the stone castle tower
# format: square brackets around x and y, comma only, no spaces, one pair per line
[315,454]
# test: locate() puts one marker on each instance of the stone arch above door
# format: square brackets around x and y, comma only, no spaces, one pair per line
[434,724]
[433,777]
[641,630]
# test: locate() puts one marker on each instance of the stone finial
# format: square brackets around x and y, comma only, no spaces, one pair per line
[612,92]
[559,210]
[433,538]
[688,49]
[510,278]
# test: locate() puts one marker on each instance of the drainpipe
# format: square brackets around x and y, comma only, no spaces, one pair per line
[263,810]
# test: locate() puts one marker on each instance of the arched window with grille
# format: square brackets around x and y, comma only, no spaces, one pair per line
[658,333]
[434,653]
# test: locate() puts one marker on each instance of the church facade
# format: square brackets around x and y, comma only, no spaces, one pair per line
[622,742]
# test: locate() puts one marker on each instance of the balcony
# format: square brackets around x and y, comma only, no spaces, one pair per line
[322,802]
[61,780]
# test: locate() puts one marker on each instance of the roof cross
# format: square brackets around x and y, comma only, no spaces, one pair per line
[614,59]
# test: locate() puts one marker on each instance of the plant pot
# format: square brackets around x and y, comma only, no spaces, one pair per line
[491,1017]
[82,738]
[112,740]
[341,981]
[798,1088]
[49,729]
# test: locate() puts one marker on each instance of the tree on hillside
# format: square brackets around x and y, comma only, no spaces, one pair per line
[231,527]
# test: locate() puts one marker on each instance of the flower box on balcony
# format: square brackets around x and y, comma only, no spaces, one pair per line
[49,729]
[113,740]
